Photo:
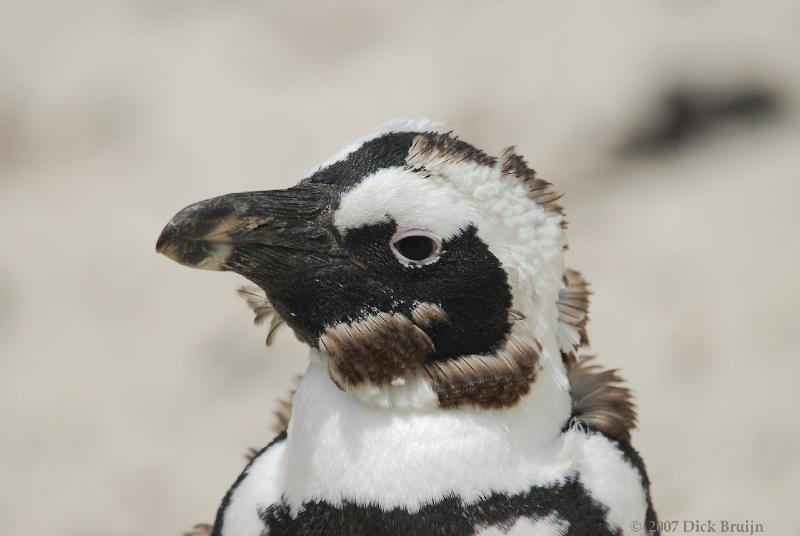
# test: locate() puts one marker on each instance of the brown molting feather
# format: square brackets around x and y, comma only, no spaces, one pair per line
[376,349]
[541,191]
[573,308]
[599,401]
[513,314]
[388,346]
[426,315]
[284,411]
[282,416]
[437,148]
[202,529]
[569,359]
[488,381]
[429,150]
[263,309]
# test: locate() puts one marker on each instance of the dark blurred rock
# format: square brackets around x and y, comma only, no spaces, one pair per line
[7,303]
[12,135]
[684,115]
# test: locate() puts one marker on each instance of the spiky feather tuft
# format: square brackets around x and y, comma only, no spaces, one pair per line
[573,315]
[599,401]
[541,191]
[263,309]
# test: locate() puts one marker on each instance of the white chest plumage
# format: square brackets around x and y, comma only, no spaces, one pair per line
[340,451]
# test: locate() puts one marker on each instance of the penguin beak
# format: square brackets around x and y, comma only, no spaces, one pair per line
[253,232]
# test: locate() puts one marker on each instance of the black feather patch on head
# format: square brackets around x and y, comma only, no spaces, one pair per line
[388,150]
[467,283]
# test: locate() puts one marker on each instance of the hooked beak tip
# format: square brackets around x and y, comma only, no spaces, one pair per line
[166,236]
[191,251]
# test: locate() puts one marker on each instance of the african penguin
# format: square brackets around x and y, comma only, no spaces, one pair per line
[445,393]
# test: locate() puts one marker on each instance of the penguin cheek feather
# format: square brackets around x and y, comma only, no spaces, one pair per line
[466,282]
[390,324]
[378,349]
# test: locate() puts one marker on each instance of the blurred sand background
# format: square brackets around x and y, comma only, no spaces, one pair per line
[130,386]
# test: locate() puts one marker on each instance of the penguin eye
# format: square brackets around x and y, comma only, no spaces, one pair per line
[416,247]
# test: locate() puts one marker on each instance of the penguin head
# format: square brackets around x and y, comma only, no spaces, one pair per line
[419,268]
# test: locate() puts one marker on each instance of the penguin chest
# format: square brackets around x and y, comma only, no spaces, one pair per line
[596,493]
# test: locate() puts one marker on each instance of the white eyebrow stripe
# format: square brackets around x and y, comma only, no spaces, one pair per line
[412,201]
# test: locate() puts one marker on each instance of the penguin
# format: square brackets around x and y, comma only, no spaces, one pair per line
[447,391]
